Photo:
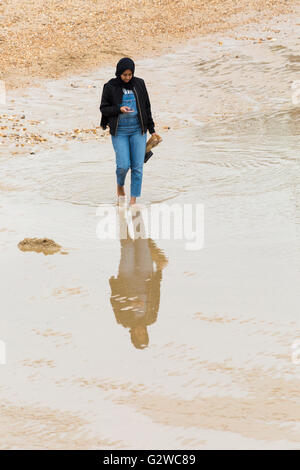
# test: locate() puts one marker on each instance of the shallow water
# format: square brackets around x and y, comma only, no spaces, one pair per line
[218,370]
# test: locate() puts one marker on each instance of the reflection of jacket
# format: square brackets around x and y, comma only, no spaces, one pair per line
[144,285]
[119,289]
[111,101]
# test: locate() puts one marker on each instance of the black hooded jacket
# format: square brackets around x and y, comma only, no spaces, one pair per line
[111,101]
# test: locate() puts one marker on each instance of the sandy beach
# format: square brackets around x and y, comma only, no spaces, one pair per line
[222,368]
[41,39]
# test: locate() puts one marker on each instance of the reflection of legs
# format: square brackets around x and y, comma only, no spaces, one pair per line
[122,151]
[137,214]
[137,142]
[123,224]
[143,258]
[127,261]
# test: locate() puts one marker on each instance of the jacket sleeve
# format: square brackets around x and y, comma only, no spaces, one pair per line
[106,108]
[150,125]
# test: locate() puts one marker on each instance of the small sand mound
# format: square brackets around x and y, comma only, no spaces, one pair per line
[40,245]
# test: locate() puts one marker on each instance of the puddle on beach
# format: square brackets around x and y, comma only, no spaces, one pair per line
[143,343]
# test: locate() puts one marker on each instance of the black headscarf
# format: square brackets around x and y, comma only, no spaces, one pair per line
[122,65]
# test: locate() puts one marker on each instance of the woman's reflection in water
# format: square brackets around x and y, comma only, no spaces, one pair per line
[135,292]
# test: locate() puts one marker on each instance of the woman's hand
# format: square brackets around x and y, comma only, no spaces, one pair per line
[126,109]
[156,136]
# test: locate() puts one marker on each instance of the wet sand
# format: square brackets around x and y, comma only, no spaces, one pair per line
[49,40]
[218,369]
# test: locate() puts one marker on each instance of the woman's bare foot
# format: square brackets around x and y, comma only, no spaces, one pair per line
[120,190]
[132,200]
[122,201]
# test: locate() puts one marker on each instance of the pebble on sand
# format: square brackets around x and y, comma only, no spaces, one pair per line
[39,245]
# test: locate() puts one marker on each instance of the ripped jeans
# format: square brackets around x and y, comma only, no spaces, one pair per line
[130,148]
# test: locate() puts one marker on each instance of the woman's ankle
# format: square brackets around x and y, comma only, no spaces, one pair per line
[120,190]
[132,200]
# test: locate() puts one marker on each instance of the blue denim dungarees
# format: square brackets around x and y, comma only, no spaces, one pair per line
[130,145]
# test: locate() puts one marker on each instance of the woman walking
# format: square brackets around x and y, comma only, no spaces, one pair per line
[125,107]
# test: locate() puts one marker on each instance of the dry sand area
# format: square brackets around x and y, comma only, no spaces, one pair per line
[50,39]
